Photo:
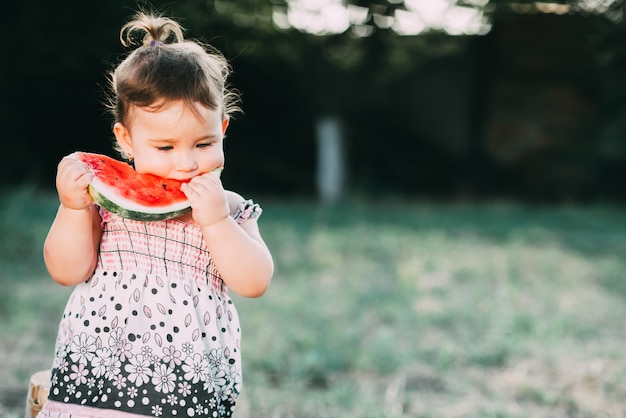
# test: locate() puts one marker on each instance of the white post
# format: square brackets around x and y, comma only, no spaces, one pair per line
[330,160]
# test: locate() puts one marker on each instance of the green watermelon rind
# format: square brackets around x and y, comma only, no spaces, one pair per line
[131,210]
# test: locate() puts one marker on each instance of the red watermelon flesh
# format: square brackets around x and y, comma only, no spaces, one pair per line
[120,189]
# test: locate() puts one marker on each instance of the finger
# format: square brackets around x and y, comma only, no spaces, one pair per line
[205,181]
[84,179]
[189,189]
[73,169]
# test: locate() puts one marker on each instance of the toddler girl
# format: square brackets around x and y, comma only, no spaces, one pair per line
[149,329]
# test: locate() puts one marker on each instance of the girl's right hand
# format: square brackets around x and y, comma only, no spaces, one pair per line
[72,182]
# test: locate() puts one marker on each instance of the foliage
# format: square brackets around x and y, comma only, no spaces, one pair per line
[379,83]
[25,216]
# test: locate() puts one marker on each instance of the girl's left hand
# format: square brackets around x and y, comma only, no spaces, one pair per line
[208,199]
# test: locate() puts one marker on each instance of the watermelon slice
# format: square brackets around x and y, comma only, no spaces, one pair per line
[118,188]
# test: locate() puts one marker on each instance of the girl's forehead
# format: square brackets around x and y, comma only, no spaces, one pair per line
[172,110]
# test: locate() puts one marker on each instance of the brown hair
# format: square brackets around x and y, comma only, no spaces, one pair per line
[165,67]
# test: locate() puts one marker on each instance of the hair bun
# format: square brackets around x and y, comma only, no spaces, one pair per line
[150,30]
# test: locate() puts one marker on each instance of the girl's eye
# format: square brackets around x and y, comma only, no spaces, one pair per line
[204,145]
[165,148]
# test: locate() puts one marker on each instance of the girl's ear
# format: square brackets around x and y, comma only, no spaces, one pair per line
[123,138]
[225,123]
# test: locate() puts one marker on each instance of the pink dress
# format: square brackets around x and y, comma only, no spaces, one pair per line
[153,332]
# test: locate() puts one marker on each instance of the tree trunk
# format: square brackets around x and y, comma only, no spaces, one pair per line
[330,160]
[37,393]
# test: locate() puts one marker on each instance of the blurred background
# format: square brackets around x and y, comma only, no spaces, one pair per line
[442,184]
[445,99]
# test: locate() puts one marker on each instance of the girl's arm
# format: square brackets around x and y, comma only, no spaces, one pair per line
[71,247]
[240,254]
[238,251]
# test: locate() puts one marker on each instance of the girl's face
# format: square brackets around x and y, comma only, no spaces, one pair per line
[174,141]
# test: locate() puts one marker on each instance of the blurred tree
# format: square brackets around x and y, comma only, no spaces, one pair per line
[349,75]
[354,60]
[393,71]
[53,63]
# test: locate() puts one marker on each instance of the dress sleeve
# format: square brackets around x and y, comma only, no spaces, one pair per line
[246,210]
[105,216]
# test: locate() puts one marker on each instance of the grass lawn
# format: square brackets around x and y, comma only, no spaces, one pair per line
[390,310]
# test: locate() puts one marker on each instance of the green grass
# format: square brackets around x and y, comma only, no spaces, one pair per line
[393,310]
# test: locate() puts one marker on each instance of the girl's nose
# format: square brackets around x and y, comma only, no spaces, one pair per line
[187,162]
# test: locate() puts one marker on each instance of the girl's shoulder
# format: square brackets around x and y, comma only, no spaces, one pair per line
[234,200]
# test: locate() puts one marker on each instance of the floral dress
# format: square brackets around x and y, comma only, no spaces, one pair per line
[153,332]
